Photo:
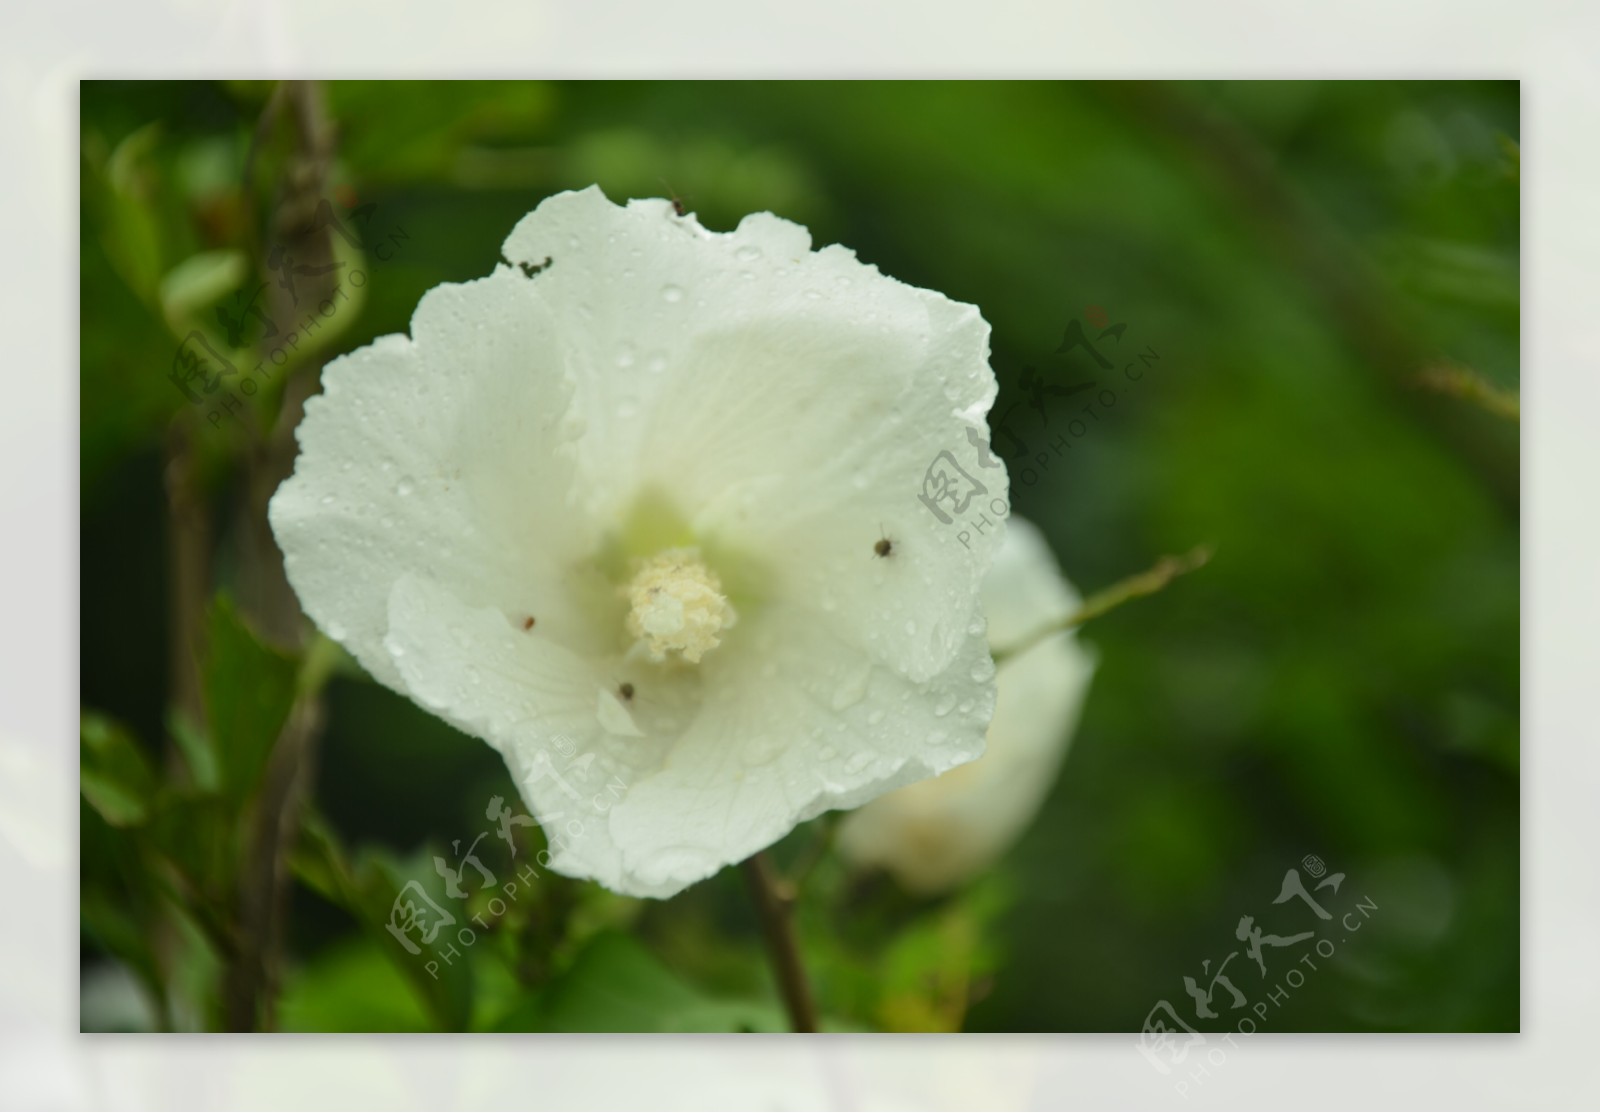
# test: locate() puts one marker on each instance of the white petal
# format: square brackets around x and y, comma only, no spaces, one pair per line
[938,833]
[799,726]
[790,402]
[719,769]
[535,702]
[439,456]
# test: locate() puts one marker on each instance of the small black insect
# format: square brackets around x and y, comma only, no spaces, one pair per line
[527,623]
[677,202]
[530,270]
[625,691]
[883,546]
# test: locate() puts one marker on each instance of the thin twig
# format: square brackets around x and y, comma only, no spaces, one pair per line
[1165,570]
[1468,385]
[773,905]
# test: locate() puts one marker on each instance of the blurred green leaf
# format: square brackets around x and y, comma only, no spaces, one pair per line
[352,987]
[114,774]
[201,281]
[198,755]
[250,689]
[131,228]
[372,891]
[615,985]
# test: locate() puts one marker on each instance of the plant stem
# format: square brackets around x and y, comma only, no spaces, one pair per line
[773,906]
[1148,582]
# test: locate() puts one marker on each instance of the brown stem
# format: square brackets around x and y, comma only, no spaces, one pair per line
[251,981]
[251,987]
[773,906]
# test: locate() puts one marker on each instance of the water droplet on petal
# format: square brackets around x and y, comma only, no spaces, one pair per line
[405,486]
[670,292]
[747,253]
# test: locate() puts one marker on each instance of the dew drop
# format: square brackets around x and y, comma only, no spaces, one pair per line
[670,292]
[405,486]
[748,253]
[983,670]
[911,627]
[946,704]
[327,500]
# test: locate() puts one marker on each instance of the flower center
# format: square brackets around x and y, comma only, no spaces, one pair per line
[676,605]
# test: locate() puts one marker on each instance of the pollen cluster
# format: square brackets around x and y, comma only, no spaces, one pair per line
[676,605]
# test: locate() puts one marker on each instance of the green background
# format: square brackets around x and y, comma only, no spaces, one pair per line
[1341,680]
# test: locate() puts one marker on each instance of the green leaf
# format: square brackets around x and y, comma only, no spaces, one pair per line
[615,985]
[250,689]
[131,228]
[370,891]
[200,281]
[114,774]
[198,754]
[198,833]
[353,987]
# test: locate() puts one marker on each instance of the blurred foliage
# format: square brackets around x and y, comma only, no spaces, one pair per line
[1341,680]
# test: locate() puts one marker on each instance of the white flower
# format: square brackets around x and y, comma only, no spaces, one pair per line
[936,834]
[616,510]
